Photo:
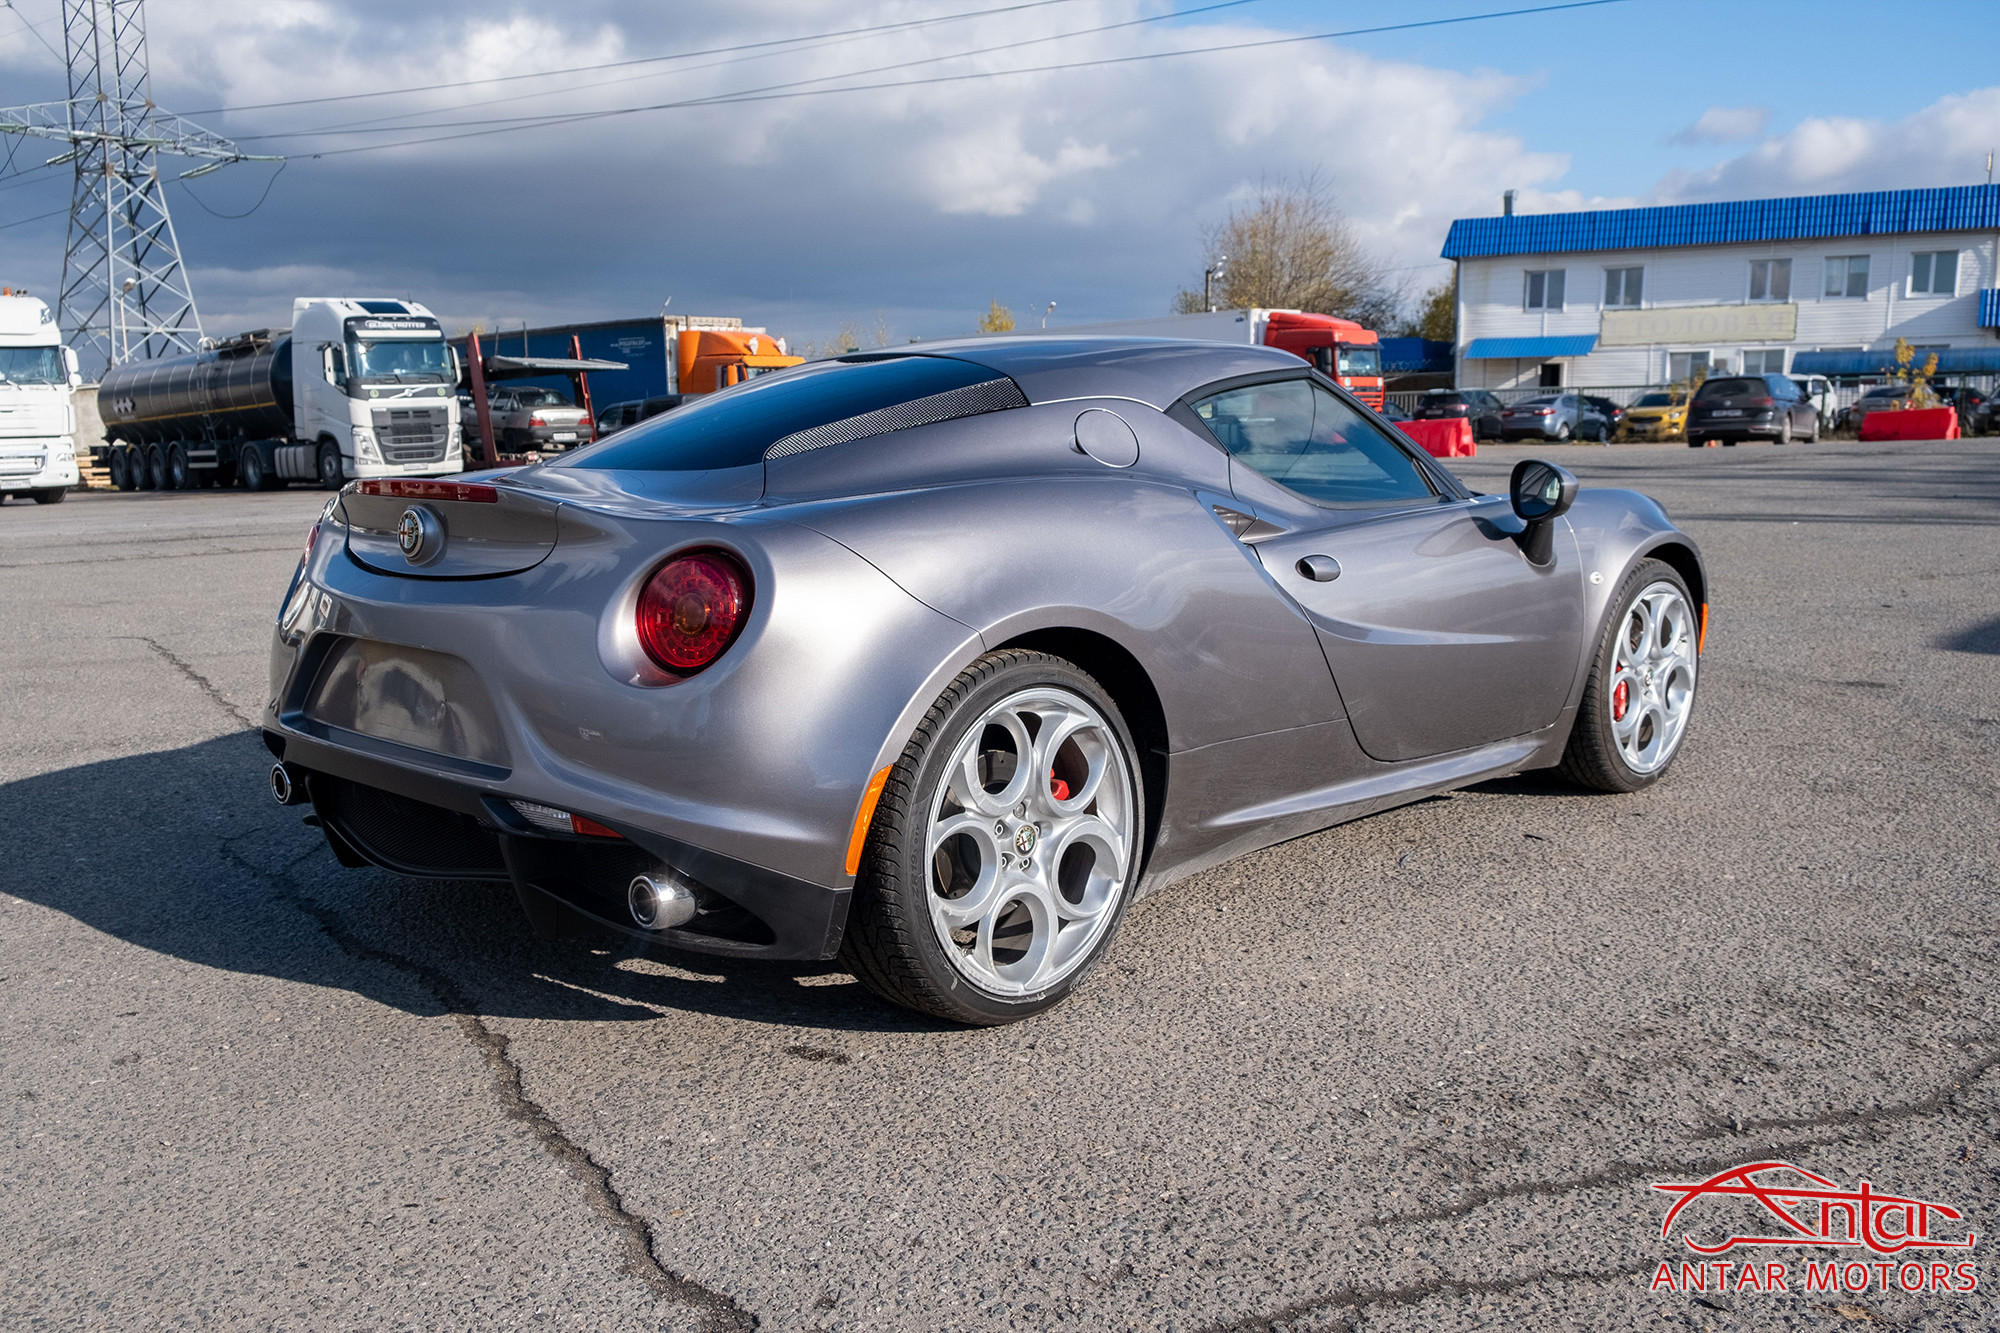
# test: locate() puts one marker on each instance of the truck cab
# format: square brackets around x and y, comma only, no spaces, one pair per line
[1343,350]
[712,359]
[37,418]
[374,387]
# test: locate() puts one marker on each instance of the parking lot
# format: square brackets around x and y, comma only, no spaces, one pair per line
[1417,1072]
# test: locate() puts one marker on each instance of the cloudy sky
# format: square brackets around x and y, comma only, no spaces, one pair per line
[810,162]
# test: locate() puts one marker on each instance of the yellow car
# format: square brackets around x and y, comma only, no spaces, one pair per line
[1657,416]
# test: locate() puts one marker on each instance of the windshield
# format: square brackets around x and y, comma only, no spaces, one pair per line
[405,360]
[1360,361]
[32,365]
[1655,400]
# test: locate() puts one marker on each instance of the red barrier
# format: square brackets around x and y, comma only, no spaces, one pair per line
[1930,423]
[1448,438]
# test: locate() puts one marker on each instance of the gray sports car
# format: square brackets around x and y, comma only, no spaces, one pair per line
[934,660]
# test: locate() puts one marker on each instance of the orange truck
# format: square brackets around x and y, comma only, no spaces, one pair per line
[711,359]
[1343,350]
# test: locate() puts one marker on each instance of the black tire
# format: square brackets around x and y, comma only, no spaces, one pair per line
[121,476]
[890,943]
[250,469]
[50,495]
[179,476]
[156,470]
[1562,433]
[332,476]
[1785,429]
[1592,758]
[1813,436]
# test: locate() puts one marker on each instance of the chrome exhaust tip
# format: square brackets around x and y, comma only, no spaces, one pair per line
[659,901]
[288,785]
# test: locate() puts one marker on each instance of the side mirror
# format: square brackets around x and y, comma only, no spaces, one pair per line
[1541,493]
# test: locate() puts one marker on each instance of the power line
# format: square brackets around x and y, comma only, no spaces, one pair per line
[231,217]
[22,222]
[642,60]
[35,28]
[785,92]
[375,127]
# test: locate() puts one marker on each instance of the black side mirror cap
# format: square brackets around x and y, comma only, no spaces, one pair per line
[1540,493]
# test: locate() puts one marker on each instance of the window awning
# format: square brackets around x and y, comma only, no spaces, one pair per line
[1951,361]
[1530,349]
[1989,308]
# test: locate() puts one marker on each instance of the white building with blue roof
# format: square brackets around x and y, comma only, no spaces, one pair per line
[1816,285]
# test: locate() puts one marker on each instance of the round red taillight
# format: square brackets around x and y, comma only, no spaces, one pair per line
[691,610]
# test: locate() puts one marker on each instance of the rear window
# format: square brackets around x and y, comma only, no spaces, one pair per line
[1734,389]
[1448,399]
[825,402]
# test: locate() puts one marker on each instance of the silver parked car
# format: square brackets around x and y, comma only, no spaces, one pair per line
[526,416]
[934,661]
[1558,416]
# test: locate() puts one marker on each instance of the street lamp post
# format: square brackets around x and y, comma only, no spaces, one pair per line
[1208,277]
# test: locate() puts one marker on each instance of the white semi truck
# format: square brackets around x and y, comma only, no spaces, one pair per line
[358,387]
[37,419]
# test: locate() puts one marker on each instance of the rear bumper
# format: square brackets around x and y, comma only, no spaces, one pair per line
[434,827]
[1736,430]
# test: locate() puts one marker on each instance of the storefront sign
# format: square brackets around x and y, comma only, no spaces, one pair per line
[1699,324]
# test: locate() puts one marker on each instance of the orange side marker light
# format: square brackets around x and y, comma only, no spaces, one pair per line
[1701,635]
[862,818]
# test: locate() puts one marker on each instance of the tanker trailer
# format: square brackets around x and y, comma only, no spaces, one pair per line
[356,388]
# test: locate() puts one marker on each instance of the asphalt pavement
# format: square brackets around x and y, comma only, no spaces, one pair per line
[1417,1072]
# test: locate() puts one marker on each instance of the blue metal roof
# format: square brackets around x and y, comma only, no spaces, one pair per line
[1957,208]
[1951,361]
[1989,308]
[1502,349]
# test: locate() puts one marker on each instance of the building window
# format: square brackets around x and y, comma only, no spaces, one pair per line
[1763,361]
[1545,289]
[1847,276]
[1771,279]
[1934,273]
[1686,365]
[1623,286]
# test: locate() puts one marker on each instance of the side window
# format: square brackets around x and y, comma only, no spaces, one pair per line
[1304,438]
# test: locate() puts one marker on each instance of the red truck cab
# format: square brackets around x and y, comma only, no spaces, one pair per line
[1344,352]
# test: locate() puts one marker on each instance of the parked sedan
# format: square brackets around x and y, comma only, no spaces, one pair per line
[1613,415]
[935,661]
[1559,416]
[528,417]
[1479,406]
[1746,407]
[1888,397]
[620,415]
[1656,416]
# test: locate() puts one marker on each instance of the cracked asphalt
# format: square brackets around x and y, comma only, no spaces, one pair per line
[1417,1072]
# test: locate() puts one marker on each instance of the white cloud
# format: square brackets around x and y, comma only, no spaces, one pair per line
[1943,144]
[1724,124]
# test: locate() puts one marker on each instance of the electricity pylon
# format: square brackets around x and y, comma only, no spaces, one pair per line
[125,293]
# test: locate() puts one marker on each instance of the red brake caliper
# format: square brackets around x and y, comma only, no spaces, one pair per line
[1620,697]
[1058,788]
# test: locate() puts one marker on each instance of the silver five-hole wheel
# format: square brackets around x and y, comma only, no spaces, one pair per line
[1029,842]
[1652,682]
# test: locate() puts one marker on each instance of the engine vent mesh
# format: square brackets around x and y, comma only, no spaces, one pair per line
[971,401]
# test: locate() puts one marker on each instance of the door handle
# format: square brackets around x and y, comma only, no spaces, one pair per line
[1320,568]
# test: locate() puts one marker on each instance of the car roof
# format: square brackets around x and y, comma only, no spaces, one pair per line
[1155,371]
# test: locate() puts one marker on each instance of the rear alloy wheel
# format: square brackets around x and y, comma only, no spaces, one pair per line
[179,478]
[1004,848]
[1785,430]
[156,470]
[121,479]
[1562,433]
[1640,694]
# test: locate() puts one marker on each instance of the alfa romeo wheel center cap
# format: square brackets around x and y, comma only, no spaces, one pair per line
[1025,838]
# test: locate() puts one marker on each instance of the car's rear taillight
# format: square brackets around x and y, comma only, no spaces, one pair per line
[536,419]
[692,609]
[1756,402]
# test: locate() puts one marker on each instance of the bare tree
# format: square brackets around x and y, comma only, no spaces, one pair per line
[1293,249]
[1436,314]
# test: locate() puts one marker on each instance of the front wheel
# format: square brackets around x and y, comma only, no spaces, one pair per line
[50,495]
[1004,848]
[1640,694]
